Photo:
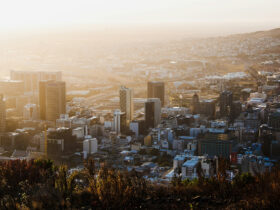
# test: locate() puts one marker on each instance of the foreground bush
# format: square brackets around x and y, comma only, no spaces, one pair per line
[39,184]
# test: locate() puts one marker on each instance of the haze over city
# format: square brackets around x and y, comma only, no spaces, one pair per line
[191,17]
[151,104]
[32,13]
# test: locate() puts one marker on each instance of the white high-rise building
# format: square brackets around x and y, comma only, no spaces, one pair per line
[119,122]
[134,126]
[126,103]
[2,114]
[90,146]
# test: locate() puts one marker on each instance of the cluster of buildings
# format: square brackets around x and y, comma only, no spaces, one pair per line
[232,46]
[159,141]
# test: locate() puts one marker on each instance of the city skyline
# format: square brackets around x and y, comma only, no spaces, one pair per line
[129,104]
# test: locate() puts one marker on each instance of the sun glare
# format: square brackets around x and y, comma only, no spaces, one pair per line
[29,13]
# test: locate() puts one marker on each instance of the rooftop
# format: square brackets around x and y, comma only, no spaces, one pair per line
[191,163]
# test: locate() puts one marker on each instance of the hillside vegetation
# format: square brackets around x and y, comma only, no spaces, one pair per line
[39,184]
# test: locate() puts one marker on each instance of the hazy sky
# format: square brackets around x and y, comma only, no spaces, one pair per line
[15,14]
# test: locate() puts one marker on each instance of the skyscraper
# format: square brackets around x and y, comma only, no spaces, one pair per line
[149,114]
[42,99]
[31,79]
[225,102]
[235,110]
[10,88]
[152,112]
[52,99]
[195,104]
[208,107]
[156,90]
[2,114]
[126,103]
[119,123]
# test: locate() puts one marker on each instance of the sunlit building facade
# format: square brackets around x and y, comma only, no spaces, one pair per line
[52,100]
[11,88]
[119,123]
[31,79]
[156,90]
[126,103]
[2,114]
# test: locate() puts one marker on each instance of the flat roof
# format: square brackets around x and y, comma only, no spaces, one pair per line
[180,157]
[191,163]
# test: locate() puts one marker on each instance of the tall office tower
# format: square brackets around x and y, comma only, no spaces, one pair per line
[208,107]
[195,104]
[42,99]
[2,114]
[235,110]
[152,112]
[52,100]
[225,103]
[31,79]
[119,123]
[126,103]
[156,90]
[11,88]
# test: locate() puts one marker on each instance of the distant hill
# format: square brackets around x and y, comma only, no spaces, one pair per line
[274,33]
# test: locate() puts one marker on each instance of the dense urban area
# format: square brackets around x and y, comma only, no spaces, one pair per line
[191,123]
